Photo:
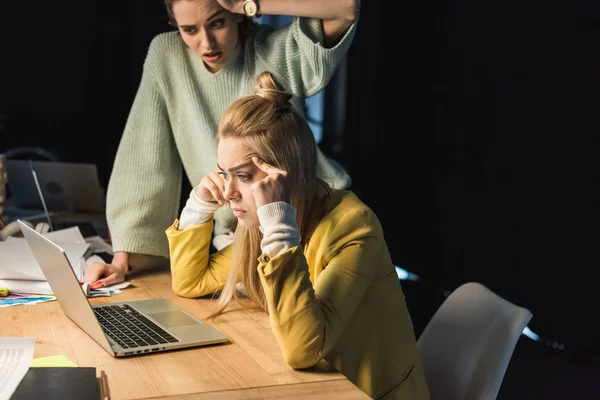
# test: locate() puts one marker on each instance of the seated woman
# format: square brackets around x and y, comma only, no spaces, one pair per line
[314,258]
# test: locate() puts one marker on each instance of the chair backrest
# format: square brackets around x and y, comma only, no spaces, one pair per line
[467,345]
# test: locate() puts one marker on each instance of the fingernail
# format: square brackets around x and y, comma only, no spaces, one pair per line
[97,285]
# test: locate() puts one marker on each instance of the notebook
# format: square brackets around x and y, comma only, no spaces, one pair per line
[58,383]
[72,187]
[122,329]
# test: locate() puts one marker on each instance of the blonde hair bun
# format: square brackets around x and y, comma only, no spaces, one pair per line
[269,89]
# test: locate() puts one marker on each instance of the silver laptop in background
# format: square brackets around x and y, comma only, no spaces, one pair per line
[72,187]
[160,325]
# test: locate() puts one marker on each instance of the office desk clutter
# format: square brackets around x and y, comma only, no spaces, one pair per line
[23,279]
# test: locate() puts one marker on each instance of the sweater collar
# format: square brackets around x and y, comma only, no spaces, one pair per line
[233,65]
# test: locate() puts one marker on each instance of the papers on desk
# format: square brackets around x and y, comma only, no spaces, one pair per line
[29,299]
[98,245]
[16,354]
[20,271]
[108,291]
[15,300]
[22,275]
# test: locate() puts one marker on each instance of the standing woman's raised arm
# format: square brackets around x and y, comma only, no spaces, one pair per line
[337,15]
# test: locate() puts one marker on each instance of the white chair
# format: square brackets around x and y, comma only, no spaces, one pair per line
[467,345]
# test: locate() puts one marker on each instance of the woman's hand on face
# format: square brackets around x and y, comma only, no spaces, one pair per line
[272,188]
[211,189]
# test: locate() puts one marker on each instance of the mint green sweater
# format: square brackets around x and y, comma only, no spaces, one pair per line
[174,119]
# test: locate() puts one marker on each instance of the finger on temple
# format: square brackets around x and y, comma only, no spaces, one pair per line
[260,164]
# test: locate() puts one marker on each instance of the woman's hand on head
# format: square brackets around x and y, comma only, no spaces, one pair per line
[212,189]
[272,188]
[234,6]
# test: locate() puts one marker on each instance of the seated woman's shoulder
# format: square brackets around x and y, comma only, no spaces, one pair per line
[345,204]
[343,199]
[347,217]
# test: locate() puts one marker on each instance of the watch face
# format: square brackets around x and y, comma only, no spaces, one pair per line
[250,8]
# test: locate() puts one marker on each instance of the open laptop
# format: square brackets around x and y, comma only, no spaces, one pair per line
[65,186]
[122,329]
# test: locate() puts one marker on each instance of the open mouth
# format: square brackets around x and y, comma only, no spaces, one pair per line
[212,56]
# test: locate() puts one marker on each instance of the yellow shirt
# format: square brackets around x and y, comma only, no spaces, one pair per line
[338,299]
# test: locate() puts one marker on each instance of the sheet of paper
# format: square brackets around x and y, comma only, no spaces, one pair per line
[16,301]
[109,290]
[16,354]
[97,245]
[79,269]
[117,286]
[28,287]
[18,262]
[52,361]
[67,235]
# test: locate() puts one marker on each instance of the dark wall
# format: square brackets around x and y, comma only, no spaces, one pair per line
[69,71]
[472,130]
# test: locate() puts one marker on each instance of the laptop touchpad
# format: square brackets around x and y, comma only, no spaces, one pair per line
[173,318]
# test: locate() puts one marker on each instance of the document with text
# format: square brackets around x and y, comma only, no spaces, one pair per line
[16,354]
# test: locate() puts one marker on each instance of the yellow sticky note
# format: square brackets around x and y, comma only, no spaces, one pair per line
[52,361]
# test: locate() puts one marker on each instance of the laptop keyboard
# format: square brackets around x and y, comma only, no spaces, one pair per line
[123,324]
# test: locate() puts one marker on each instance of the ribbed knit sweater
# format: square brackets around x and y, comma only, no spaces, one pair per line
[174,118]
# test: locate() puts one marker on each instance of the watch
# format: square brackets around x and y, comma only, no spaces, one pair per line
[250,8]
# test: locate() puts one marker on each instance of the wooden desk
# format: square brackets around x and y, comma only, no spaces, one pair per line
[251,366]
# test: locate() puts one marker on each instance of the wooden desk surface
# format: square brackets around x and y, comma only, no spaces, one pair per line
[250,366]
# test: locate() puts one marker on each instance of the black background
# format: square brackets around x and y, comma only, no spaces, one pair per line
[471,129]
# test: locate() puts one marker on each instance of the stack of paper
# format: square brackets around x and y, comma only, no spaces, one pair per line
[20,271]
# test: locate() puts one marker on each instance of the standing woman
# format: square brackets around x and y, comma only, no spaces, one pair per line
[189,78]
[313,257]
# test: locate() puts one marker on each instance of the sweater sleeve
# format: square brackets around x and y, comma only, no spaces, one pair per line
[144,187]
[307,321]
[278,224]
[295,54]
[194,271]
[196,211]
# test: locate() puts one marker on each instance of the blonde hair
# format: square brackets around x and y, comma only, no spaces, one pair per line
[280,136]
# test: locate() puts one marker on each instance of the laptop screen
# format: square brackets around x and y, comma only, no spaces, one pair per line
[72,187]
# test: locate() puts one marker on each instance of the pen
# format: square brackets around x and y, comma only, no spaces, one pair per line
[104,393]
[3,292]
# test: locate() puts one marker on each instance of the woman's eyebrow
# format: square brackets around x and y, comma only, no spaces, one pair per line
[186,26]
[215,14]
[237,167]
